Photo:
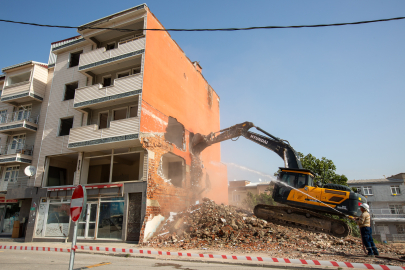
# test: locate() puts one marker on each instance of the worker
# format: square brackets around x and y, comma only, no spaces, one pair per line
[364,223]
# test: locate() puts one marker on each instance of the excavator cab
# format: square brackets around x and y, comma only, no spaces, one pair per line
[296,178]
[292,179]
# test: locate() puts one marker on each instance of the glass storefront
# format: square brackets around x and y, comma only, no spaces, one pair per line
[110,219]
[53,218]
[108,225]
[102,218]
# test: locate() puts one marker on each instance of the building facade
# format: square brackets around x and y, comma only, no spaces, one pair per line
[118,116]
[387,205]
[23,88]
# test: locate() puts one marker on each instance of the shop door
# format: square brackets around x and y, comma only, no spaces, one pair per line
[2,214]
[87,224]
[12,212]
[134,216]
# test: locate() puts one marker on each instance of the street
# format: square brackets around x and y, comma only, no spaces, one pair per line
[22,260]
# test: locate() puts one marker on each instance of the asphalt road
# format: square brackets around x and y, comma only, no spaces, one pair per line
[24,260]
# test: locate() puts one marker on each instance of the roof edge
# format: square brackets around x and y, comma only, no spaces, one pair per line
[24,64]
[107,18]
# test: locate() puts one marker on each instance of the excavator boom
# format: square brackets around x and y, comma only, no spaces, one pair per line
[277,145]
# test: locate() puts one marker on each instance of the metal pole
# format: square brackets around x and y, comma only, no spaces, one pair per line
[72,250]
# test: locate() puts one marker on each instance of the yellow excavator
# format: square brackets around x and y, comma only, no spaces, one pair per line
[305,202]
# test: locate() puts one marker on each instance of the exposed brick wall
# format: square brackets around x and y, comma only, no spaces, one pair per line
[165,196]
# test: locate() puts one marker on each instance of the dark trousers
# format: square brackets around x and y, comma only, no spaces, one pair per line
[368,240]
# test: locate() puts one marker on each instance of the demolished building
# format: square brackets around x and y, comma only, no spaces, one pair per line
[118,115]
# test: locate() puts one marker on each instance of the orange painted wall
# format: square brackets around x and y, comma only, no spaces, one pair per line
[174,87]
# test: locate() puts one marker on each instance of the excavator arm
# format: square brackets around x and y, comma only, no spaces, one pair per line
[277,145]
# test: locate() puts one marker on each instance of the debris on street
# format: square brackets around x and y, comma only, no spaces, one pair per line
[208,226]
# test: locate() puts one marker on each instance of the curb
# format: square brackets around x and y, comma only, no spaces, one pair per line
[210,256]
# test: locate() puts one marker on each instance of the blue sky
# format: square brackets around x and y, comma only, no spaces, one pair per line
[334,92]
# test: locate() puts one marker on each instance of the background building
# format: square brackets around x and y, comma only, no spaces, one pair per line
[238,190]
[119,112]
[23,89]
[387,201]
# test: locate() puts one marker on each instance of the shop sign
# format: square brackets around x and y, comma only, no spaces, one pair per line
[8,201]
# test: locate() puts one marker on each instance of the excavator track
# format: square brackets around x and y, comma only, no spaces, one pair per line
[303,218]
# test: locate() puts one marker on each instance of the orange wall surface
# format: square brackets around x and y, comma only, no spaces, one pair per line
[173,87]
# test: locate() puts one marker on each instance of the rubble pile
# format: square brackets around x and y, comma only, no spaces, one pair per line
[221,227]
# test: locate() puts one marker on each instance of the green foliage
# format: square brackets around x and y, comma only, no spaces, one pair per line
[324,169]
[252,200]
[354,229]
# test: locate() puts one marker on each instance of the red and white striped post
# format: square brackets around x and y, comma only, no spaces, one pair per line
[77,203]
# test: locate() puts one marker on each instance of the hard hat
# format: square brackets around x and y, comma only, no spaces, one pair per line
[365,206]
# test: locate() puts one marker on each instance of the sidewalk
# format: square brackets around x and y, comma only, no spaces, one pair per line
[191,255]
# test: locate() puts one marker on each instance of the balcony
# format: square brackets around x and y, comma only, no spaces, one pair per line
[13,183]
[90,138]
[102,57]
[387,215]
[18,121]
[16,153]
[25,91]
[96,96]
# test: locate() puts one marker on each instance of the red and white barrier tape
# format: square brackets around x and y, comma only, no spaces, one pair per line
[212,256]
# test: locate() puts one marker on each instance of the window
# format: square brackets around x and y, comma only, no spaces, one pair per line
[61,169]
[136,70]
[356,189]
[3,116]
[11,174]
[22,112]
[368,190]
[53,218]
[106,81]
[111,216]
[395,190]
[396,209]
[24,77]
[103,120]
[17,144]
[56,176]
[123,74]
[236,197]
[401,229]
[133,111]
[119,114]
[172,169]
[110,46]
[70,90]
[74,59]
[65,126]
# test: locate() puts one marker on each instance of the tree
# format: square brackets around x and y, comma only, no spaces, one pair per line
[252,200]
[324,169]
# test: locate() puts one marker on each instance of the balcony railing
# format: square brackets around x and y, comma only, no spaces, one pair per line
[95,94]
[18,116]
[119,130]
[16,88]
[16,148]
[102,56]
[13,183]
[387,213]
